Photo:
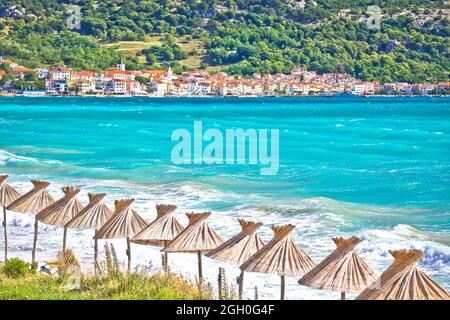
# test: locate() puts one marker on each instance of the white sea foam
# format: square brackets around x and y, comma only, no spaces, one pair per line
[8,157]
[34,149]
[379,241]
[317,220]
[356,120]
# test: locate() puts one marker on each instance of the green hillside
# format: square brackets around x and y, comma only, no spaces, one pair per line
[237,36]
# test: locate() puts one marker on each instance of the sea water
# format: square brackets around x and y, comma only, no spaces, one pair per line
[375,167]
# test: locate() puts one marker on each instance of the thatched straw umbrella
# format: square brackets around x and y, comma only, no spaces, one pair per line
[93,216]
[281,256]
[198,237]
[125,223]
[33,201]
[239,248]
[403,280]
[7,195]
[343,270]
[62,211]
[162,230]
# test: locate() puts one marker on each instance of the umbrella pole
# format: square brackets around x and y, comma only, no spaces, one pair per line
[6,233]
[282,287]
[33,252]
[241,284]
[64,240]
[129,254]
[343,295]
[95,253]
[166,258]
[200,273]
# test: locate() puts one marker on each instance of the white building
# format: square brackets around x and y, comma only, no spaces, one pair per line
[61,86]
[85,86]
[158,88]
[118,87]
[60,73]
[134,87]
[41,73]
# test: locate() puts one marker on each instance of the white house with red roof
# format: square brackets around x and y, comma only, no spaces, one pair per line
[134,87]
[84,76]
[60,73]
[119,75]
[443,85]
[20,72]
[9,63]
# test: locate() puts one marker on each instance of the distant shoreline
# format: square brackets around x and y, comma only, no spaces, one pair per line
[14,95]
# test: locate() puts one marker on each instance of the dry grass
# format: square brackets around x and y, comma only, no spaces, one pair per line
[135,46]
[194,47]
[132,48]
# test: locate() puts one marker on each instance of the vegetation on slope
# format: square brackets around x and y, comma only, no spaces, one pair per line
[242,36]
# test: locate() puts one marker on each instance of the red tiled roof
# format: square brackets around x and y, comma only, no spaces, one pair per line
[155,72]
[19,70]
[118,72]
[9,62]
[61,69]
[85,73]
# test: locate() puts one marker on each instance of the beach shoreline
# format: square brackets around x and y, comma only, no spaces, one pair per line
[224,97]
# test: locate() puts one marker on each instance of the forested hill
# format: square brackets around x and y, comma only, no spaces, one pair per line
[237,36]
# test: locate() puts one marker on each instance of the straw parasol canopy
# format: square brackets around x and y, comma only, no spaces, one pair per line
[343,270]
[280,256]
[33,201]
[162,230]
[93,216]
[403,280]
[125,223]
[62,211]
[7,195]
[239,248]
[198,237]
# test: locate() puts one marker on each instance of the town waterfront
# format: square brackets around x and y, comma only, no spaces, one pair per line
[374,167]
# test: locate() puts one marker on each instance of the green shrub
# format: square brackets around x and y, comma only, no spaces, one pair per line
[16,268]
[34,265]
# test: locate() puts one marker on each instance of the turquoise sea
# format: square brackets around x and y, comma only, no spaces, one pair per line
[375,167]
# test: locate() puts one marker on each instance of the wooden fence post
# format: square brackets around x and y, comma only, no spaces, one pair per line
[220,283]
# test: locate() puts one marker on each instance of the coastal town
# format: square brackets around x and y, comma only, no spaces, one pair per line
[118,81]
